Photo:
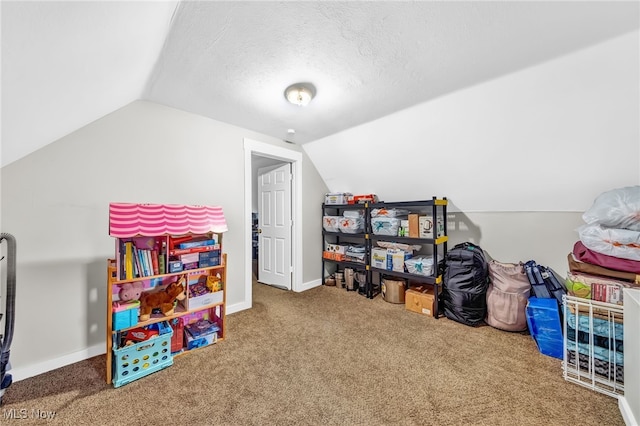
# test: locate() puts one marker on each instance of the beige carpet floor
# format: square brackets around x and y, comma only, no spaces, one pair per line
[328,357]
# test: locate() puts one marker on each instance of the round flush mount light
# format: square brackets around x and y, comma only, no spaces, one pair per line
[300,93]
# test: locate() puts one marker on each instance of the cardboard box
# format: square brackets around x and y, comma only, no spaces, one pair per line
[336,248]
[427,227]
[414,226]
[333,256]
[379,258]
[201,333]
[201,341]
[396,258]
[421,300]
[209,258]
[175,266]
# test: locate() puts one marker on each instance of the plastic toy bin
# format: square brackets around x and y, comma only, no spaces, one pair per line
[543,320]
[143,358]
[125,315]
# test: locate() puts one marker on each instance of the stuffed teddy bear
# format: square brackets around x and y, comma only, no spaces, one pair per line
[163,299]
[130,291]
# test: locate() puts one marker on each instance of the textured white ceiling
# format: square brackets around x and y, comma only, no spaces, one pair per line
[66,64]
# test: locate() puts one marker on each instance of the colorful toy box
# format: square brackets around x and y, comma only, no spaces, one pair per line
[209,258]
[125,314]
[201,333]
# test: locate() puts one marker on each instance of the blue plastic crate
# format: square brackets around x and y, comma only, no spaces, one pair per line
[543,320]
[143,358]
[126,318]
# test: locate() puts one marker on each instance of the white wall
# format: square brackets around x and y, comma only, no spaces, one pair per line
[509,154]
[55,201]
[547,138]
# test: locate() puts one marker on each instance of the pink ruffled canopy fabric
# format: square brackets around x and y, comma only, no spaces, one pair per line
[130,219]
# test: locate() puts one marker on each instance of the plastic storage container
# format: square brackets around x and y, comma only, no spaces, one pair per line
[543,320]
[125,315]
[420,265]
[143,358]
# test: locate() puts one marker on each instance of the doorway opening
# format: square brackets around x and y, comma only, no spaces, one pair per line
[257,153]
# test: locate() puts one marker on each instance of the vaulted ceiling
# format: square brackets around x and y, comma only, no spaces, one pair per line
[66,64]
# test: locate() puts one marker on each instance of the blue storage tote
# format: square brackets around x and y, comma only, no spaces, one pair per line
[143,358]
[125,315]
[543,319]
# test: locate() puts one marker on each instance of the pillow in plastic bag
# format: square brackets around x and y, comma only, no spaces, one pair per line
[622,243]
[617,208]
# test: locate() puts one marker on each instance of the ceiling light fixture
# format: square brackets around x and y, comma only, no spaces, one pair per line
[300,93]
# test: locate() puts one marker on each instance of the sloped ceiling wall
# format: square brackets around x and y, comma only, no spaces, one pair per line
[65,64]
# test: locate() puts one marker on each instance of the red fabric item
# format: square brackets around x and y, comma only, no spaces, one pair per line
[583,254]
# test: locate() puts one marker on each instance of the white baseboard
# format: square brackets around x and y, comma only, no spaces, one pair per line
[22,373]
[309,285]
[237,307]
[625,410]
[25,372]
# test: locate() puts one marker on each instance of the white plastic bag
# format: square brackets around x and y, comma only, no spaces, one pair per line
[622,243]
[383,212]
[355,214]
[331,223]
[382,225]
[618,208]
[350,225]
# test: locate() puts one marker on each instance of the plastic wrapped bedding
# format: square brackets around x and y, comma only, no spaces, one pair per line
[601,327]
[600,341]
[623,243]
[618,208]
[598,352]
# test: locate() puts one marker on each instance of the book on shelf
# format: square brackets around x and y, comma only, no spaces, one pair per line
[154,262]
[128,259]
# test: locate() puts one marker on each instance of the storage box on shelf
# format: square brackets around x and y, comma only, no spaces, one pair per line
[183,245]
[345,244]
[406,224]
[347,226]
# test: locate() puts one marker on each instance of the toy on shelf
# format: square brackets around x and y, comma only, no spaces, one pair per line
[163,300]
[214,283]
[130,291]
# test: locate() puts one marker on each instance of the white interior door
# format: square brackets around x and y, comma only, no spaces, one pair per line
[274,225]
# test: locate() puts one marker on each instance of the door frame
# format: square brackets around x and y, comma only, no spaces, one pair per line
[262,149]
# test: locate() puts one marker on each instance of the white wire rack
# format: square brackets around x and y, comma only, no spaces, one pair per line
[593,345]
